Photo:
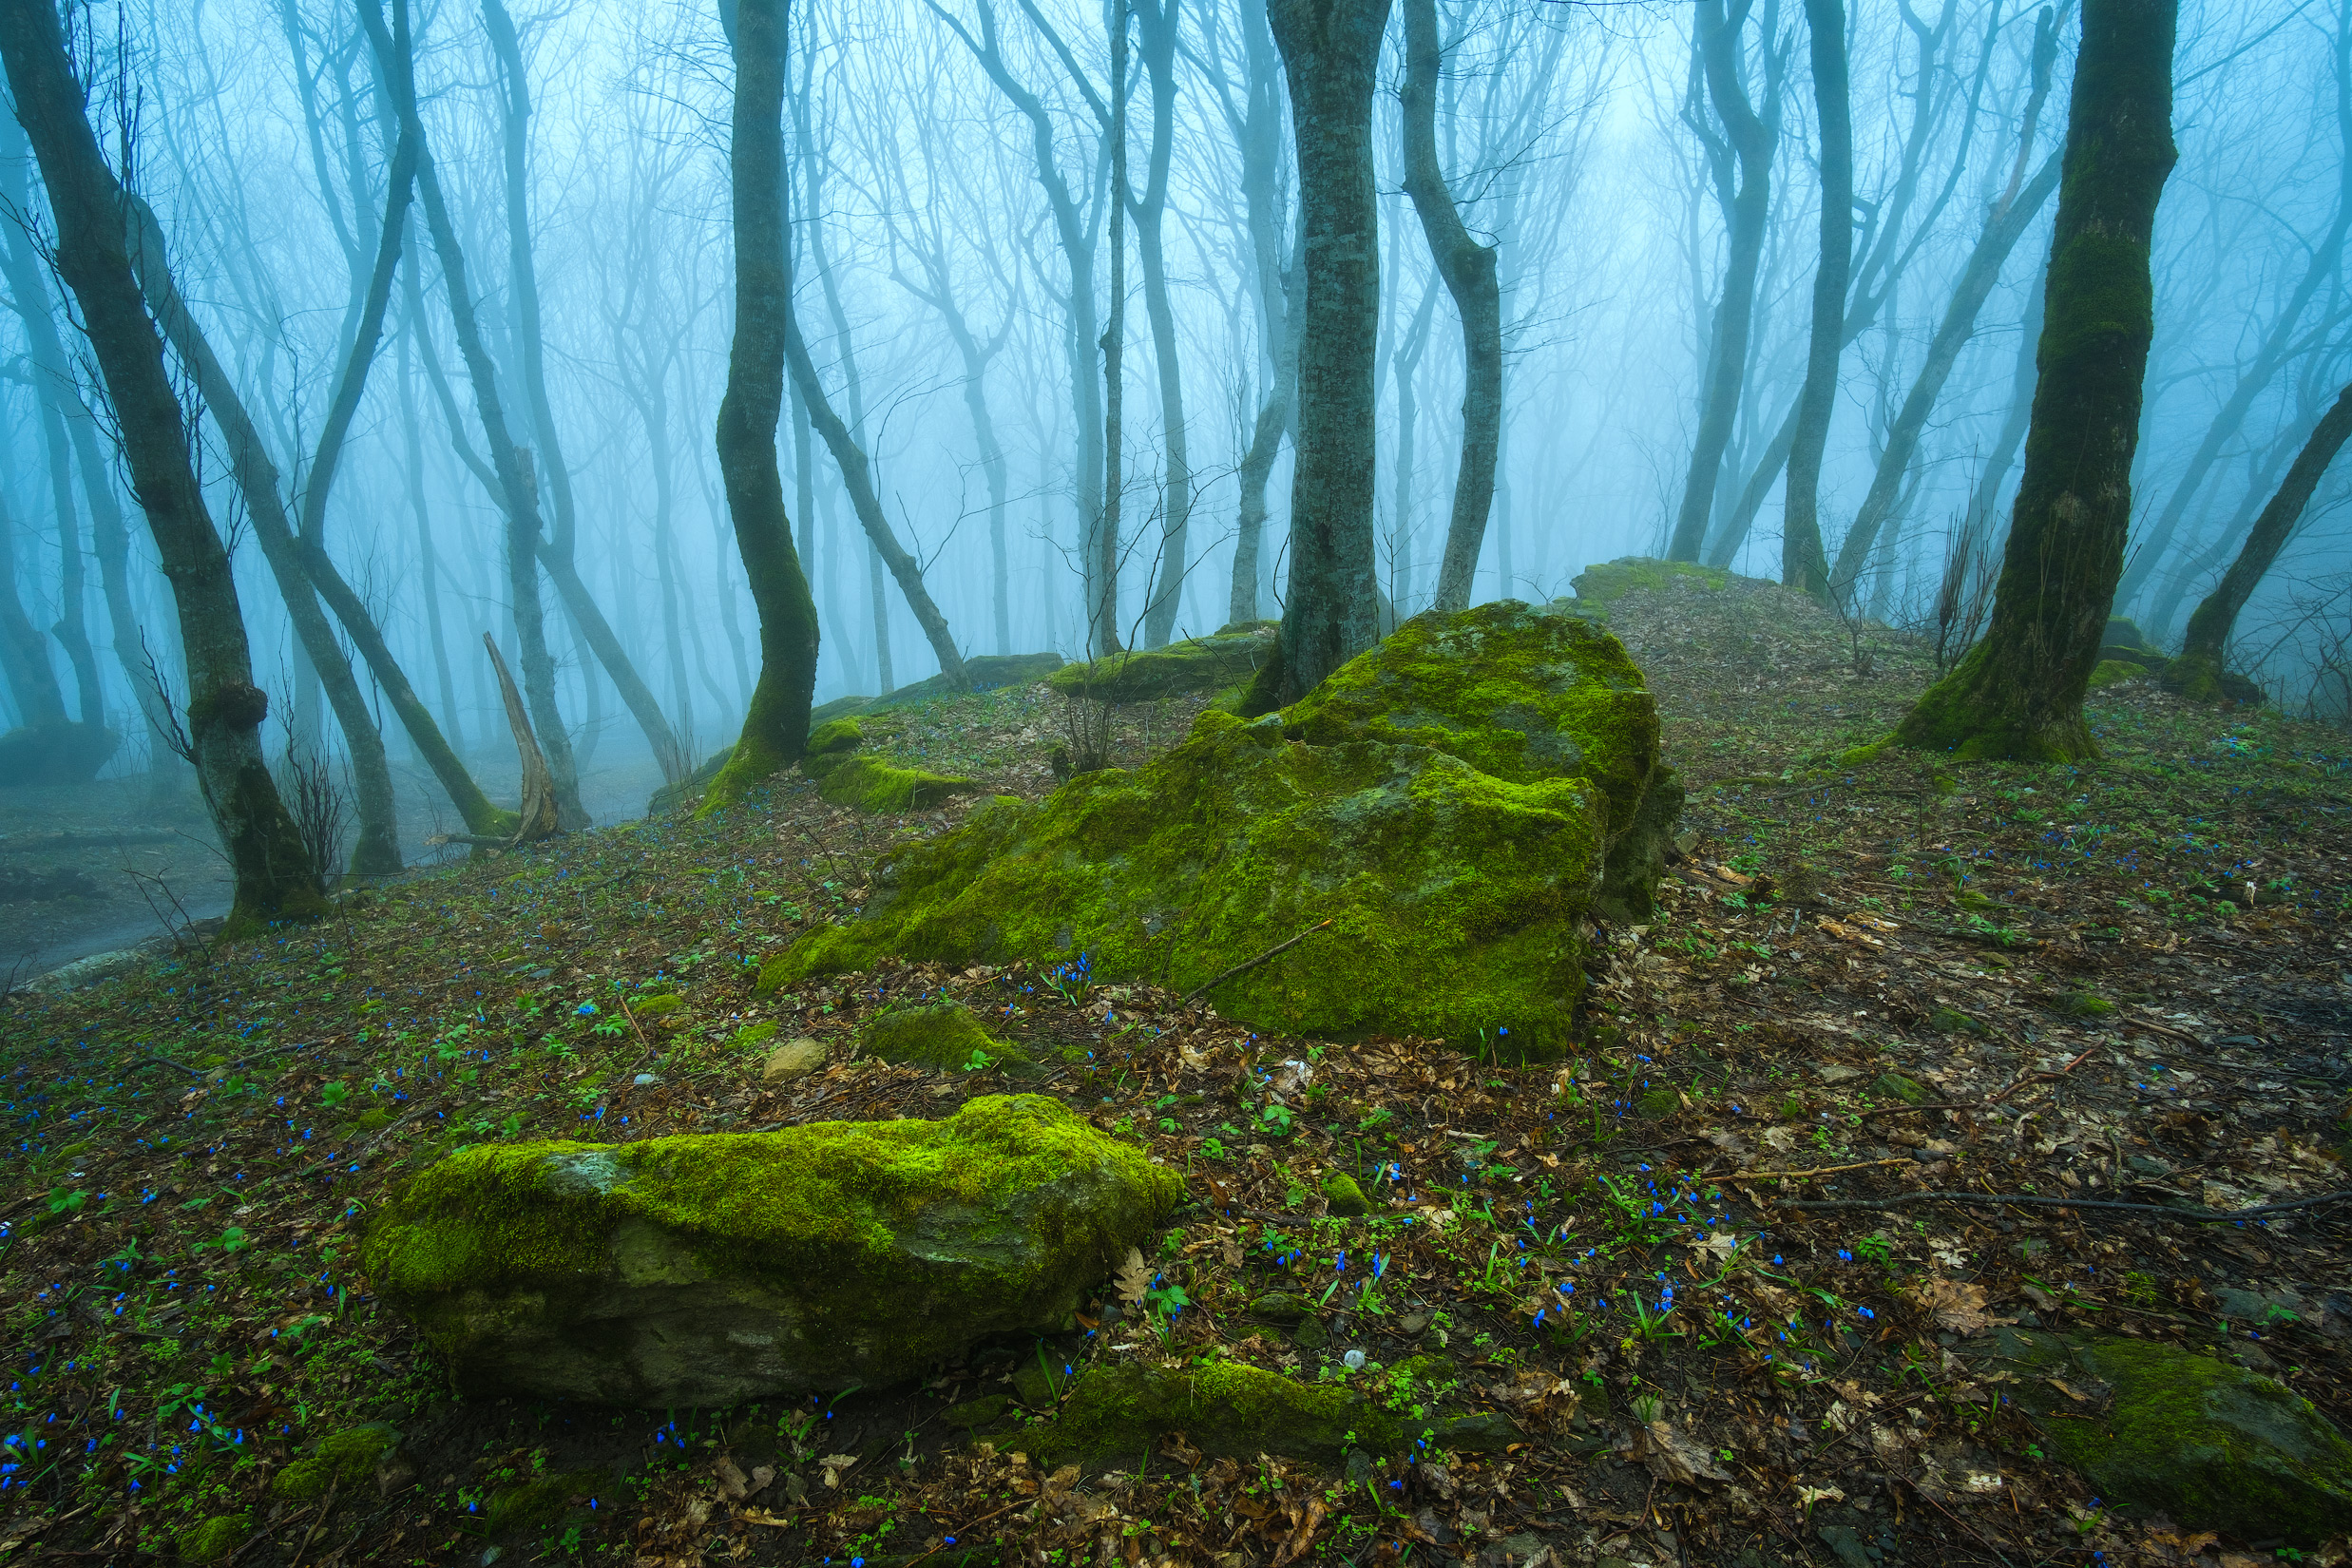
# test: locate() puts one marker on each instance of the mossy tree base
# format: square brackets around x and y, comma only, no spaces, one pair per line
[1977,714]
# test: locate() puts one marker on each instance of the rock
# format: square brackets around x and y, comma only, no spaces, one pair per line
[1951,1020]
[1281,1306]
[943,1036]
[713,1268]
[2123,642]
[1455,804]
[975,1413]
[1228,1410]
[2209,1444]
[1894,1087]
[1413,1325]
[214,1540]
[1344,1196]
[1196,665]
[541,1502]
[347,1462]
[1488,1432]
[1658,1103]
[1834,1073]
[1598,587]
[869,784]
[1846,1544]
[792,1060]
[1035,1387]
[54,753]
[2114,672]
[1310,1335]
[1519,1551]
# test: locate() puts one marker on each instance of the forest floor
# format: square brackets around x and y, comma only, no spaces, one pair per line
[2125,980]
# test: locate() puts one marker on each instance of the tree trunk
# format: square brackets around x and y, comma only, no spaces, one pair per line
[428,566]
[1802,563]
[1470,276]
[775,727]
[1330,54]
[1753,139]
[24,652]
[2198,671]
[1156,23]
[2018,693]
[1102,611]
[275,876]
[1260,133]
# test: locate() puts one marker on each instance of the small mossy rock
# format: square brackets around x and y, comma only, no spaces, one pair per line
[751,1036]
[942,1035]
[214,1540]
[1281,1306]
[373,1119]
[713,1268]
[654,1006]
[2111,671]
[1344,1196]
[1034,1386]
[1227,1409]
[1598,586]
[346,1461]
[1196,665]
[535,1504]
[1452,900]
[2209,1443]
[975,1413]
[1658,1104]
[794,1058]
[1894,1087]
[869,784]
[1951,1020]
[1485,1432]
[829,745]
[2123,642]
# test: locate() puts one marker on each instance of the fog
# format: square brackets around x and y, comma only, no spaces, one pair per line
[948,172]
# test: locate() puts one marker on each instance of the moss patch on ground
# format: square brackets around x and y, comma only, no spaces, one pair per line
[346,1462]
[1599,586]
[1232,1411]
[1196,665]
[943,1036]
[869,784]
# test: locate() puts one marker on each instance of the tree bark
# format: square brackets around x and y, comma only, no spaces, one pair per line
[1102,611]
[1259,130]
[1156,26]
[274,878]
[1330,54]
[23,653]
[775,727]
[1470,276]
[1752,138]
[1802,563]
[2018,693]
[2198,671]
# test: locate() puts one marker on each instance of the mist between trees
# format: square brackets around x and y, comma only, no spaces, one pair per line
[352,345]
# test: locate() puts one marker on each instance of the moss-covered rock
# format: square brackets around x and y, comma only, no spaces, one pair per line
[1227,1409]
[1344,1196]
[1597,588]
[534,1504]
[2114,672]
[2203,1441]
[1196,665]
[1896,1086]
[346,1462]
[707,1270]
[830,744]
[214,1540]
[1455,804]
[943,1035]
[869,784]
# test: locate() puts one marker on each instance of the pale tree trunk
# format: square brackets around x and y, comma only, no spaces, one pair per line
[2018,693]
[1102,613]
[1156,23]
[1330,53]
[1802,563]
[1470,276]
[1258,129]
[275,876]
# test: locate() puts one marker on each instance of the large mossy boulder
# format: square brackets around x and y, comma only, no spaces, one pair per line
[2203,1441]
[1598,587]
[1194,664]
[708,1270]
[1457,803]
[868,783]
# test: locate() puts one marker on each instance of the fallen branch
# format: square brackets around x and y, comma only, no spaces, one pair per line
[1248,963]
[2156,1211]
[2036,1077]
[1817,1171]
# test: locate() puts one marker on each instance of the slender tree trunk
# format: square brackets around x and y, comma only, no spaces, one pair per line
[2018,693]
[24,652]
[1156,24]
[1984,499]
[275,876]
[1330,54]
[1802,563]
[429,567]
[2198,671]
[1102,613]
[1470,276]
[1262,200]
[1412,343]
[1753,139]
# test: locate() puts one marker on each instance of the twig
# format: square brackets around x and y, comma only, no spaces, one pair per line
[365,1149]
[324,1509]
[1249,964]
[1819,1170]
[2035,1078]
[1932,1105]
[2154,1211]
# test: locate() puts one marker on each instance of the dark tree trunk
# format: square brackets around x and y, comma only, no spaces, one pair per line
[2198,670]
[1468,269]
[275,876]
[1803,565]
[1752,138]
[24,652]
[2018,693]
[1330,54]
[775,728]
[1260,133]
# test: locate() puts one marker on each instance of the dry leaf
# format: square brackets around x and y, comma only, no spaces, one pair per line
[1808,1495]
[1679,1459]
[1301,1534]
[833,1464]
[761,1475]
[1957,1307]
[731,1479]
[1133,1278]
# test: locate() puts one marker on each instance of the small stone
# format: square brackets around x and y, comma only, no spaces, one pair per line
[792,1060]
[1488,1432]
[1035,1387]
[975,1413]
[1658,1103]
[1831,1072]
[1344,1197]
[1412,1325]
[1310,1335]
[1281,1306]
[1896,1086]
[1353,1361]
[1360,1467]
[641,1079]
[1846,1544]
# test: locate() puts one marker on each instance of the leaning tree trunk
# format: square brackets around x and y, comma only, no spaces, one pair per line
[2198,671]
[1803,565]
[1330,53]
[275,876]
[775,728]
[1468,269]
[1753,139]
[2018,693]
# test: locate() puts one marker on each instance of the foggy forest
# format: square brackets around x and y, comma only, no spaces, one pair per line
[992,781]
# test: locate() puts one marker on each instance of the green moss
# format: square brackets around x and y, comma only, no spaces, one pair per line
[1344,1196]
[752,1037]
[1196,665]
[829,745]
[1226,1409]
[2085,1004]
[2111,672]
[753,761]
[654,1007]
[539,1502]
[1600,585]
[1950,1020]
[1856,756]
[1894,1087]
[347,1462]
[1658,1103]
[215,1537]
[848,1251]
[1453,827]
[870,784]
[943,1035]
[375,1120]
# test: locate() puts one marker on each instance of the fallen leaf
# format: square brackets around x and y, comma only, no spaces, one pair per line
[1301,1534]
[761,1475]
[1808,1495]
[1133,1278]
[1957,1307]
[1679,1459]
[732,1481]
[833,1464]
